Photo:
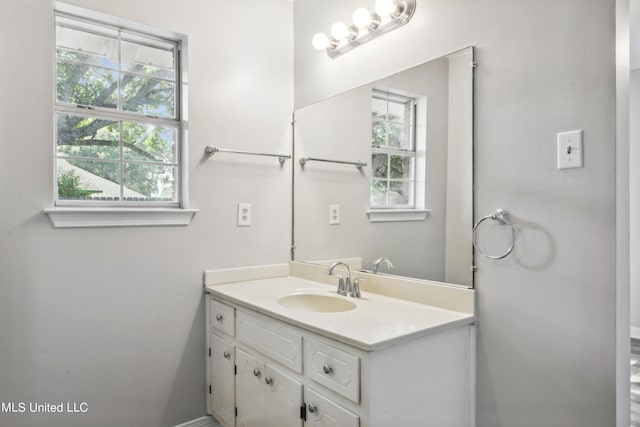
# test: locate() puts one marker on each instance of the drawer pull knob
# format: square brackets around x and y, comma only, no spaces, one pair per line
[268,380]
[327,369]
[219,317]
[226,354]
[256,372]
[312,408]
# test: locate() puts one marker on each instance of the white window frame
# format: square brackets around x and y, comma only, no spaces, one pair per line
[415,210]
[124,213]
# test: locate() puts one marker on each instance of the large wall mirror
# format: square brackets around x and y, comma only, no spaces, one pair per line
[413,201]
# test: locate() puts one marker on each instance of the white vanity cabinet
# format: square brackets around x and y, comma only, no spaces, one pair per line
[256,373]
[286,375]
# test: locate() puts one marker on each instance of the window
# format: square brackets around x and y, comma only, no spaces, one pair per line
[393,151]
[119,144]
[398,156]
[117,116]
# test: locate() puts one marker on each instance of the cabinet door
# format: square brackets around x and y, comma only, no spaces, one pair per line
[265,396]
[250,391]
[284,399]
[222,380]
[321,412]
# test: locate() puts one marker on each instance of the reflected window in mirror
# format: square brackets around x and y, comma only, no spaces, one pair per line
[397,150]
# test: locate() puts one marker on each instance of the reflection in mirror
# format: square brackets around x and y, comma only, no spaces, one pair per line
[412,203]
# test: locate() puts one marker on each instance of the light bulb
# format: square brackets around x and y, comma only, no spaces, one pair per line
[385,7]
[320,41]
[339,30]
[362,18]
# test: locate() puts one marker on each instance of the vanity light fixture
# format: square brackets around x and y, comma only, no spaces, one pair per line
[387,15]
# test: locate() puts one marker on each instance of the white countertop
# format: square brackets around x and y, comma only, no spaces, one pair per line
[377,322]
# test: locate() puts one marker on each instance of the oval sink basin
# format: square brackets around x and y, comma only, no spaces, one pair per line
[316,302]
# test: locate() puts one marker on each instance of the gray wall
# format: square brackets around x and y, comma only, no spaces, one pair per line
[115,317]
[547,314]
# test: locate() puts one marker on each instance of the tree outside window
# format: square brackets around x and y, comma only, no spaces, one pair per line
[117,116]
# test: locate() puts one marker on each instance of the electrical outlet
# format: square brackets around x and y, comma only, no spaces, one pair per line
[244,214]
[334,214]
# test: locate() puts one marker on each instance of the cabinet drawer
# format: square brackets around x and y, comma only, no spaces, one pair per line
[333,368]
[273,339]
[222,317]
[321,412]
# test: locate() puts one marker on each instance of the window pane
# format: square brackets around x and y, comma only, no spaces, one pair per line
[401,167]
[379,134]
[147,60]
[151,182]
[379,108]
[397,112]
[147,142]
[86,85]
[380,165]
[86,47]
[400,193]
[148,96]
[80,136]
[399,136]
[88,180]
[378,193]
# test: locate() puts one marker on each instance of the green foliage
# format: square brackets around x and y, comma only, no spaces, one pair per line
[69,186]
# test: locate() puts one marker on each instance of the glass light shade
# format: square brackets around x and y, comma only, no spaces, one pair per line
[385,7]
[362,18]
[339,31]
[320,41]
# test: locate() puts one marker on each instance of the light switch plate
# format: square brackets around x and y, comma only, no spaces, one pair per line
[570,149]
[334,214]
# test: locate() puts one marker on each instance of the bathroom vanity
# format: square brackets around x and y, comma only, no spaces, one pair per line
[284,349]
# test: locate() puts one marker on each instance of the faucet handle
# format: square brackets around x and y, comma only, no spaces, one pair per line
[342,290]
[347,286]
[355,289]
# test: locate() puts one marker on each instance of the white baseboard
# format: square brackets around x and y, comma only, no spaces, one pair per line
[200,422]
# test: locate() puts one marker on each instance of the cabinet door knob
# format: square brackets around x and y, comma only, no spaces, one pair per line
[219,317]
[312,408]
[256,372]
[327,369]
[226,354]
[268,380]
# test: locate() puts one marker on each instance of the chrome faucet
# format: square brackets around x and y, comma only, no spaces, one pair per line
[344,285]
[376,264]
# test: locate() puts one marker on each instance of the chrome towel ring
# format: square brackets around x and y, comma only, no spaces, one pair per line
[502,216]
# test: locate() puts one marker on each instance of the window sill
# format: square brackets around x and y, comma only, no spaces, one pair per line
[118,217]
[391,215]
